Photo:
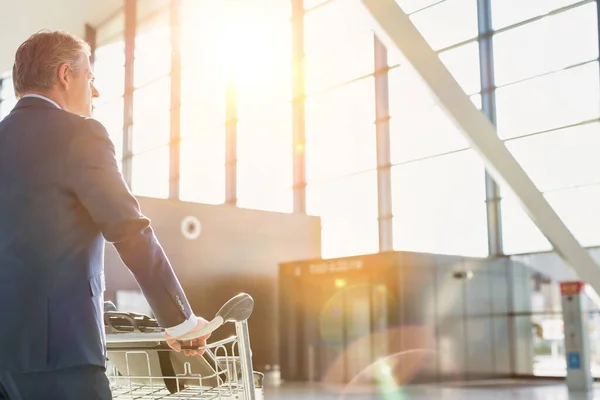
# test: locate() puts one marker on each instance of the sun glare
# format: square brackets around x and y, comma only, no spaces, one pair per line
[234,44]
[243,42]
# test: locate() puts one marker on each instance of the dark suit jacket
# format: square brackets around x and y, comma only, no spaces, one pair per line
[61,197]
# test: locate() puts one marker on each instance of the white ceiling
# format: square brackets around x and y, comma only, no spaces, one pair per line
[21,18]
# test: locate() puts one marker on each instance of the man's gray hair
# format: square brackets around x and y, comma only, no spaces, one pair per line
[38,59]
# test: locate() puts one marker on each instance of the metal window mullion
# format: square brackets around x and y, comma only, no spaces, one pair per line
[130,32]
[488,102]
[90,38]
[488,106]
[175,123]
[231,141]
[298,107]
[382,131]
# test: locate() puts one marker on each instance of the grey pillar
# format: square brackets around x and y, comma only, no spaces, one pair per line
[175,136]
[231,143]
[298,106]
[130,28]
[488,101]
[382,131]
[90,38]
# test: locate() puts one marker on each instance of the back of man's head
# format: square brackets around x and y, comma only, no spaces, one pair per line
[38,59]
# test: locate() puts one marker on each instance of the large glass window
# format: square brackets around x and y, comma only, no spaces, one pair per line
[152,115]
[264,128]
[348,210]
[560,162]
[203,164]
[578,208]
[203,102]
[338,44]
[564,165]
[418,126]
[110,114]
[265,162]
[8,89]
[509,12]
[152,55]
[519,233]
[447,22]
[6,106]
[463,63]
[7,97]
[263,75]
[150,173]
[439,205]
[340,127]
[151,130]
[246,47]
[548,102]
[549,44]
[109,71]
[202,173]
[340,131]
[560,159]
[411,6]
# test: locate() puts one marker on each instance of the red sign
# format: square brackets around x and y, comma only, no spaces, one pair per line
[571,288]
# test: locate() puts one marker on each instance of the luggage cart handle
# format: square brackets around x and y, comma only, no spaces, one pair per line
[237,309]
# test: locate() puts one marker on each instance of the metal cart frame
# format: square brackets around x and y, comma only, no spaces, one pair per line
[142,366]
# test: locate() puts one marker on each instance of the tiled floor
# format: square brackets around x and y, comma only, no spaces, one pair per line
[489,390]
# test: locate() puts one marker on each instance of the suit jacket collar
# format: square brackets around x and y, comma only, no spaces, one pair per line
[34,102]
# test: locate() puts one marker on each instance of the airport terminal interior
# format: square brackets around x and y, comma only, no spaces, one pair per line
[409,190]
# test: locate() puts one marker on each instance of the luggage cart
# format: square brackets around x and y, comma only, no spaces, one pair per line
[142,366]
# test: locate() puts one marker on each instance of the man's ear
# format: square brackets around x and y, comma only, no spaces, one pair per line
[63,75]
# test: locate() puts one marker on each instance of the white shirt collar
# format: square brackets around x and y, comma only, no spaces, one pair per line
[39,96]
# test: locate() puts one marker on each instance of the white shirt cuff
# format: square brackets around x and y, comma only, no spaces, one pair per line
[184,327]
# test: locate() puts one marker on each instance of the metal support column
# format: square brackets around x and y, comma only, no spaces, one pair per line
[231,142]
[382,131]
[130,28]
[395,28]
[298,106]
[175,142]
[90,38]
[488,101]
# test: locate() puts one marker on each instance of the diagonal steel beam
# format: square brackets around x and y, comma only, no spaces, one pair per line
[395,29]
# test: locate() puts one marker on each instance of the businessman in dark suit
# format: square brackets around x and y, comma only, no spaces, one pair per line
[61,197]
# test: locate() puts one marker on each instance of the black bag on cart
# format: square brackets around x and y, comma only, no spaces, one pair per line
[157,360]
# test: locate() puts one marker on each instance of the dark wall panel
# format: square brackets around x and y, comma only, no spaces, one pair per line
[238,250]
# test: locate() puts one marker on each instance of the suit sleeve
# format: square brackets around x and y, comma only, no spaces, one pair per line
[94,177]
